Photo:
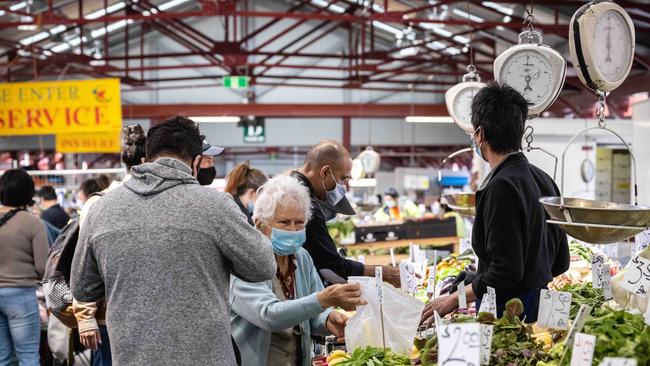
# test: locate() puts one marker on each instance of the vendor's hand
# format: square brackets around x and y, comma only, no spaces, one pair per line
[336,324]
[346,296]
[91,339]
[443,305]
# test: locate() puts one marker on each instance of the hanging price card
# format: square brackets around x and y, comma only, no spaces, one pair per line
[597,262]
[583,350]
[489,302]
[642,240]
[462,297]
[379,283]
[459,344]
[554,308]
[431,280]
[486,343]
[618,361]
[578,324]
[408,281]
[637,276]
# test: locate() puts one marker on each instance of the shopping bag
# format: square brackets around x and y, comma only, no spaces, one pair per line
[401,318]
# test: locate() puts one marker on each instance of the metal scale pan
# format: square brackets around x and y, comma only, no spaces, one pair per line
[463,203]
[597,222]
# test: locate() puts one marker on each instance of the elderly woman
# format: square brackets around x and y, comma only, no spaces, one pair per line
[272,321]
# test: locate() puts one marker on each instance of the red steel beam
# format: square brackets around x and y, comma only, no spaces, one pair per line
[158,111]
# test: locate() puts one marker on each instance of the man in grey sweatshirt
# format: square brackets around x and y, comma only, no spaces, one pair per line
[161,249]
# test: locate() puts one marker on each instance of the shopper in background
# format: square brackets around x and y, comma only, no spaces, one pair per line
[326,173]
[518,252]
[207,170]
[91,316]
[22,263]
[161,249]
[103,181]
[273,321]
[52,211]
[242,183]
[391,210]
[86,189]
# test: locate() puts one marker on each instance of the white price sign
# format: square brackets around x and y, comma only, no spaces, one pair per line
[486,343]
[637,276]
[489,302]
[618,361]
[647,314]
[578,324]
[408,281]
[462,296]
[459,344]
[392,257]
[642,240]
[597,262]
[554,308]
[379,283]
[431,280]
[583,350]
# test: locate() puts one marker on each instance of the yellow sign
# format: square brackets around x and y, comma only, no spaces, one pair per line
[54,107]
[97,142]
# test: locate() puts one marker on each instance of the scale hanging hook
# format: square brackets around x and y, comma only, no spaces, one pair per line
[602,103]
[529,136]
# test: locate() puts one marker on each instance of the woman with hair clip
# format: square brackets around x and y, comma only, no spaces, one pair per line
[242,183]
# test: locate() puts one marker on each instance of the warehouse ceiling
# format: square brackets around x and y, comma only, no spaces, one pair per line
[394,46]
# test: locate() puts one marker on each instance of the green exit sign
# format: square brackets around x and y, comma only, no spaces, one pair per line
[235,81]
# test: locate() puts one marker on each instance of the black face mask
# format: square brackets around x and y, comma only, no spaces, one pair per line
[205,176]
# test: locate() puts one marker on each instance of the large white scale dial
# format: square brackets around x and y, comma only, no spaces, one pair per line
[459,99]
[533,69]
[601,42]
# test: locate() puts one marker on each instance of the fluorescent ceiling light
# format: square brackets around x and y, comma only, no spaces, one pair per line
[333,7]
[18,6]
[34,38]
[171,4]
[437,45]
[102,12]
[215,119]
[366,182]
[452,51]
[507,19]
[461,39]
[27,27]
[408,52]
[463,14]
[498,7]
[442,32]
[386,27]
[2,12]
[58,29]
[500,28]
[429,119]
[60,47]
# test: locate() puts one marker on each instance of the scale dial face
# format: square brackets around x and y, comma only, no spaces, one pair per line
[531,74]
[459,103]
[612,46]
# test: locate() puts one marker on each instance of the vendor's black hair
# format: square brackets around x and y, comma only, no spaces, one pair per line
[501,113]
[134,143]
[47,193]
[176,136]
[16,188]
[90,186]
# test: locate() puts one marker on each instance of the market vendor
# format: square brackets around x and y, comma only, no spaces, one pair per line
[272,321]
[518,252]
[326,173]
[394,210]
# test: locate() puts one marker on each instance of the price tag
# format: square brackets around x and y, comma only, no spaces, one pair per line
[618,361]
[583,350]
[637,276]
[414,253]
[647,314]
[597,261]
[462,297]
[554,308]
[489,302]
[459,344]
[392,257]
[411,280]
[578,324]
[379,283]
[642,240]
[486,343]
[438,319]
[431,281]
[361,259]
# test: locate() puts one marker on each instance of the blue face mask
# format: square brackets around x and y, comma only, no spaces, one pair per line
[250,207]
[287,242]
[477,148]
[335,195]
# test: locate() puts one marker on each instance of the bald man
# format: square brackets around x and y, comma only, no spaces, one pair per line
[326,172]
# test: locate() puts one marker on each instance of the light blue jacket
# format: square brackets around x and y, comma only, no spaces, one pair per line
[257,312]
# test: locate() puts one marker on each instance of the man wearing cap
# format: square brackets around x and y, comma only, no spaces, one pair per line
[326,173]
[207,172]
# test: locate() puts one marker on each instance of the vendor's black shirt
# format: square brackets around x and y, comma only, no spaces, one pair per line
[518,251]
[319,243]
[56,216]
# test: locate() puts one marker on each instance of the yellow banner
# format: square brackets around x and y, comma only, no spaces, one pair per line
[97,142]
[54,107]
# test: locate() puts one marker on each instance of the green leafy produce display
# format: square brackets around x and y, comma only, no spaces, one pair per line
[581,251]
[340,229]
[584,294]
[373,356]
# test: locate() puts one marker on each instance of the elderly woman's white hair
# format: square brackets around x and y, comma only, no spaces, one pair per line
[282,191]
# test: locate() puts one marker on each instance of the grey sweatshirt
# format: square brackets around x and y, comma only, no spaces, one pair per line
[161,249]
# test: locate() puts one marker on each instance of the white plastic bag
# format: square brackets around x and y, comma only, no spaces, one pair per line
[402,315]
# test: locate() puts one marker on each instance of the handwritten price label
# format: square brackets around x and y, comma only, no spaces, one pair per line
[554,308]
[408,281]
[462,296]
[486,343]
[618,361]
[578,324]
[637,276]
[642,240]
[583,350]
[431,282]
[379,283]
[459,344]
[489,302]
[392,257]
[601,275]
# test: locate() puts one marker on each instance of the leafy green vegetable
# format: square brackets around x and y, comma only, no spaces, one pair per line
[584,294]
[373,356]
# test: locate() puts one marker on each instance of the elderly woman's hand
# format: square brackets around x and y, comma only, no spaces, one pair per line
[336,324]
[347,296]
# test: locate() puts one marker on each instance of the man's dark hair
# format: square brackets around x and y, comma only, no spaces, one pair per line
[500,112]
[177,136]
[16,188]
[89,186]
[47,193]
[134,142]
